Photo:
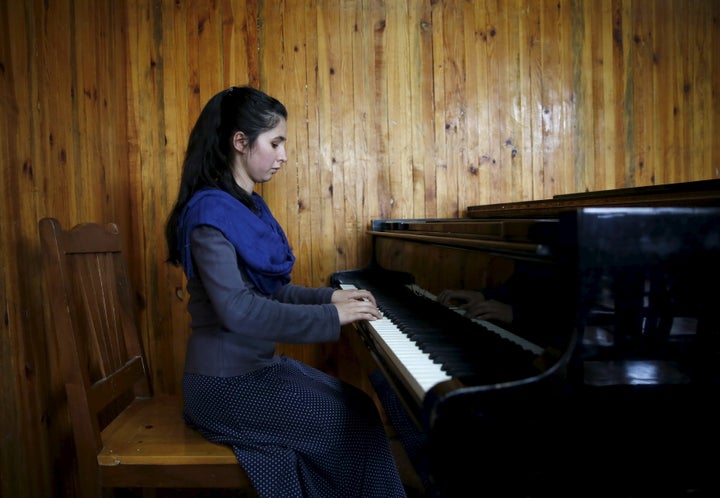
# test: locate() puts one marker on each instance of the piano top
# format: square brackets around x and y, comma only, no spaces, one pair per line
[697,193]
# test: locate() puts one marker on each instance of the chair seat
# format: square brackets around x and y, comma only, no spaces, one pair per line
[151,431]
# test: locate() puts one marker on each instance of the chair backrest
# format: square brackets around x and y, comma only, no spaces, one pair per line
[94,319]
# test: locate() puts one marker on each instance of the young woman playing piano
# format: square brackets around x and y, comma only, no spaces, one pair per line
[296,430]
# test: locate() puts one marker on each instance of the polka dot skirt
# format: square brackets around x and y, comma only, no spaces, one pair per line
[297,431]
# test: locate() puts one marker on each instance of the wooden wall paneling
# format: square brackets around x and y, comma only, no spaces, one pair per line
[522,108]
[564,175]
[550,94]
[423,122]
[282,67]
[417,121]
[346,112]
[474,174]
[301,53]
[502,66]
[113,118]
[615,100]
[147,129]
[640,110]
[682,113]
[536,111]
[24,383]
[622,29]
[343,252]
[322,210]
[355,86]
[452,106]
[400,110]
[491,103]
[87,173]
[658,96]
[711,11]
[56,93]
[334,72]
[19,423]
[276,22]
[9,393]
[381,165]
[600,42]
[239,42]
[439,147]
[286,75]
[669,121]
[301,60]
[204,27]
[687,89]
[179,116]
[517,151]
[369,59]
[703,47]
[363,138]
[495,40]
[583,72]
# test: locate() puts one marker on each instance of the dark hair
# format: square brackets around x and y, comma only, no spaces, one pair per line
[208,157]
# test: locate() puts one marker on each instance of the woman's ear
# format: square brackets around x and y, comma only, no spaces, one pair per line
[240,141]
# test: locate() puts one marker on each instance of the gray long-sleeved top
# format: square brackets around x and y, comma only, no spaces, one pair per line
[235,327]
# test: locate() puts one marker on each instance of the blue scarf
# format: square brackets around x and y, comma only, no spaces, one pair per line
[258,238]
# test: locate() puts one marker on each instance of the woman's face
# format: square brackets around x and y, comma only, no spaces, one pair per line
[257,164]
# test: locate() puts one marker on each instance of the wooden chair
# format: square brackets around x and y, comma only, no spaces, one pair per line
[125,437]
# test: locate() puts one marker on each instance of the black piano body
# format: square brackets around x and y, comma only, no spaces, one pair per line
[606,381]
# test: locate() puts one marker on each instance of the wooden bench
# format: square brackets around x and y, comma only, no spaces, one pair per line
[125,437]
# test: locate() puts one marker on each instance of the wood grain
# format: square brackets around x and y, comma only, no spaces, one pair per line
[414,108]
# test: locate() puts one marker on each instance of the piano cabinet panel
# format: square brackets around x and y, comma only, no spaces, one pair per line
[437,267]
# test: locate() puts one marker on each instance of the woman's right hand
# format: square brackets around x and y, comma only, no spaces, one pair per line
[354,310]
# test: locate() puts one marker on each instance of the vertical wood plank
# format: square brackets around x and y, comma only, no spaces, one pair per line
[399,111]
[517,149]
[440,148]
[476,173]
[423,120]
[584,91]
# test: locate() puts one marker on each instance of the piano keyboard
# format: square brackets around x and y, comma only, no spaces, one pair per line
[420,371]
[424,342]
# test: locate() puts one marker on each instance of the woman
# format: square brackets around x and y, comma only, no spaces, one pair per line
[296,430]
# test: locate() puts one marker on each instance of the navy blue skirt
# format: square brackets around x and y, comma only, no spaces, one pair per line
[297,431]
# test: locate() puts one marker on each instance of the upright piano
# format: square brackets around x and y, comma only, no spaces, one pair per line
[605,380]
